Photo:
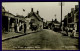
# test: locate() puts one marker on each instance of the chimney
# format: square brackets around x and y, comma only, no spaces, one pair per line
[31,9]
[37,12]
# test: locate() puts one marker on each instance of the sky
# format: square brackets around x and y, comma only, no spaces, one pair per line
[47,10]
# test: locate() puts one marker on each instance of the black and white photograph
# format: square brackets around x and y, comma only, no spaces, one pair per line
[40,25]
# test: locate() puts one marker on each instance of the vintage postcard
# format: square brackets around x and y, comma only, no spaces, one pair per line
[40,25]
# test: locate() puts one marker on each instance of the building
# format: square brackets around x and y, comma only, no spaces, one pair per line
[35,19]
[10,22]
[71,20]
[27,20]
[7,20]
[20,20]
[48,24]
[53,25]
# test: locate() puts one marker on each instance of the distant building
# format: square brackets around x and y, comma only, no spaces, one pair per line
[54,24]
[35,19]
[48,22]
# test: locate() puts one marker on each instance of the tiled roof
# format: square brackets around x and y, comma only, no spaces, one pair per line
[37,15]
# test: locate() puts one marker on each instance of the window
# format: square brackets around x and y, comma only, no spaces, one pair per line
[32,20]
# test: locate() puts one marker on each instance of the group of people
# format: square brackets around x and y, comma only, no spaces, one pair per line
[73,31]
[19,27]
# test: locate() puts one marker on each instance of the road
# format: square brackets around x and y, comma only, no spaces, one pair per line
[43,40]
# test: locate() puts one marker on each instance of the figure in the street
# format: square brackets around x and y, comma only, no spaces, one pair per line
[17,28]
[67,31]
[20,26]
[73,32]
[25,27]
[40,26]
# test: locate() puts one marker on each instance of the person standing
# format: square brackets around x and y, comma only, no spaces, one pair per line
[17,28]
[25,27]
[74,32]
[67,31]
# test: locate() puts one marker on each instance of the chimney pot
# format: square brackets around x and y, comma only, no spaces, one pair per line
[37,12]
[31,9]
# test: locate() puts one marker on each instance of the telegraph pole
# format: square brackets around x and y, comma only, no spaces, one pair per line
[61,13]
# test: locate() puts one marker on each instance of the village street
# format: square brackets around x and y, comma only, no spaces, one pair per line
[45,39]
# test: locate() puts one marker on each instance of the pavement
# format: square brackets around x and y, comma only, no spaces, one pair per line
[69,34]
[42,40]
[9,35]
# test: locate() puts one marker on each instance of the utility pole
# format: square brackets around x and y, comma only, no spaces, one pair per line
[61,13]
